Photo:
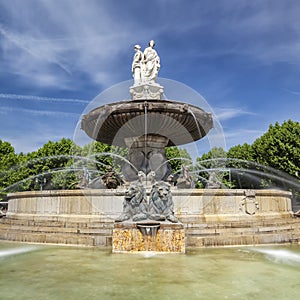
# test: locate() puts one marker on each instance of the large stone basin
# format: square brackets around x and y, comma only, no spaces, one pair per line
[209,217]
[114,123]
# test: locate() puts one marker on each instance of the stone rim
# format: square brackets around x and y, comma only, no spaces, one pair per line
[180,122]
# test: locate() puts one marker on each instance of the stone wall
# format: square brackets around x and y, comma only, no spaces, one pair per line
[109,202]
[210,217]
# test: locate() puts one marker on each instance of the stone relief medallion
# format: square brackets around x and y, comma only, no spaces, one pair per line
[249,205]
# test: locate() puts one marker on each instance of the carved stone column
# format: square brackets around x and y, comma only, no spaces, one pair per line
[147,153]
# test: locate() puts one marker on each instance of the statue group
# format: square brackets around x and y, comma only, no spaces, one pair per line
[145,65]
[159,208]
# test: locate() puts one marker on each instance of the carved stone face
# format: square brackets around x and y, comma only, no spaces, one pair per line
[163,192]
[131,192]
[151,43]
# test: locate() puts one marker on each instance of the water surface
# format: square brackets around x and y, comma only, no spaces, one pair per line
[58,272]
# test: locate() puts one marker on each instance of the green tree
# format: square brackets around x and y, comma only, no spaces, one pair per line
[177,157]
[97,156]
[213,162]
[8,157]
[279,147]
[8,160]
[239,159]
[214,154]
[53,157]
[213,159]
[243,152]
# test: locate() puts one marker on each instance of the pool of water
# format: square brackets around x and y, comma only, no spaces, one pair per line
[59,272]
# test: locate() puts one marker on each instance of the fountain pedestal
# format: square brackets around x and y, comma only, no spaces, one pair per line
[148,236]
[146,91]
[147,153]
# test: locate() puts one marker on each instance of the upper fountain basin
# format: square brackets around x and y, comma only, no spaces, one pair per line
[180,123]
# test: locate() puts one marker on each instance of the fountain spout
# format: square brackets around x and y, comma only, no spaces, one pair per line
[148,229]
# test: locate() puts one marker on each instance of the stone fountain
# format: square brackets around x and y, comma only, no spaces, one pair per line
[147,124]
[146,212]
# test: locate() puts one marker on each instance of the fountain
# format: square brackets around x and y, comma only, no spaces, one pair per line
[143,210]
[147,124]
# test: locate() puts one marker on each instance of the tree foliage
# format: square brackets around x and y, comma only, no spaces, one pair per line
[8,159]
[213,163]
[56,165]
[62,162]
[243,152]
[177,157]
[279,147]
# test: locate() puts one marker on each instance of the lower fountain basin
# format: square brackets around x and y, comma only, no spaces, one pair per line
[210,217]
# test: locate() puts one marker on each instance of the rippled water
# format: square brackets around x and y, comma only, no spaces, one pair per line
[57,272]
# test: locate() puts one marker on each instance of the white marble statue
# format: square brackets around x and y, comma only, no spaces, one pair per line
[137,65]
[152,63]
[145,66]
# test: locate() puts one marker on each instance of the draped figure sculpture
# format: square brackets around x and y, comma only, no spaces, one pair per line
[145,66]
[137,65]
[152,63]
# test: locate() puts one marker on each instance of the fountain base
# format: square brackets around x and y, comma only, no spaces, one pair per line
[211,218]
[136,237]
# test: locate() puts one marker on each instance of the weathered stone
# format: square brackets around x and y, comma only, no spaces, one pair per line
[92,222]
[128,238]
[148,91]
[179,122]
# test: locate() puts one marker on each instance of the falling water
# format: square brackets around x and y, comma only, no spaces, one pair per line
[149,232]
[146,131]
[114,155]
[174,158]
[195,119]
[280,256]
[15,251]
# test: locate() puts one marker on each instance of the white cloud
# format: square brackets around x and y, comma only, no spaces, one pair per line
[29,129]
[67,37]
[266,30]
[33,47]
[64,44]
[74,37]
[223,114]
[240,136]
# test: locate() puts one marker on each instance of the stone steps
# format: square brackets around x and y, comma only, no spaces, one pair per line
[228,234]
[89,234]
[241,240]
[97,233]
[66,225]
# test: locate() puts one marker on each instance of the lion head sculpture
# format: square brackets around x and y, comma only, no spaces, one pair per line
[161,206]
[134,204]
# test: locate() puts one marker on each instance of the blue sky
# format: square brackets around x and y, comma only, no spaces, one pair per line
[242,56]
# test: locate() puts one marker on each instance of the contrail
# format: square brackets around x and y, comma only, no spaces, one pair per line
[292,92]
[5,109]
[21,43]
[38,98]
